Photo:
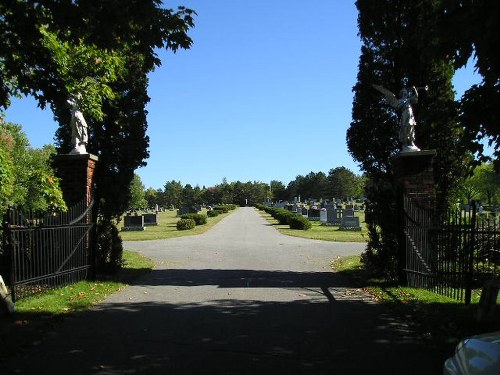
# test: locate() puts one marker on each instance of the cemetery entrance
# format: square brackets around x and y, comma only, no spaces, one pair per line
[453,252]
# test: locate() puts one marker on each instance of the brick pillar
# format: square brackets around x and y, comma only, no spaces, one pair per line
[77,176]
[414,174]
[414,177]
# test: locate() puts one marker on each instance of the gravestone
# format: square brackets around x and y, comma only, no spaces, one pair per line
[350,223]
[150,219]
[348,212]
[323,216]
[334,217]
[305,212]
[133,223]
[313,214]
[187,210]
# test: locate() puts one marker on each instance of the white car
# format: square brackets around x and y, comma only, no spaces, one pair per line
[476,355]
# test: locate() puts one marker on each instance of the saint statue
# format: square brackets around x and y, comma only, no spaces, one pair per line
[407,121]
[79,128]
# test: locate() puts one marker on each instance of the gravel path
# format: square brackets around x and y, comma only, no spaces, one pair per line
[239,299]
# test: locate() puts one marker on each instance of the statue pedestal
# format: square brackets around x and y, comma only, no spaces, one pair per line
[414,174]
[77,176]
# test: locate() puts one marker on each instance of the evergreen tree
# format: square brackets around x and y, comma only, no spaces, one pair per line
[395,54]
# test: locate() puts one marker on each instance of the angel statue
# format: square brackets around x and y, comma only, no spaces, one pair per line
[79,132]
[407,121]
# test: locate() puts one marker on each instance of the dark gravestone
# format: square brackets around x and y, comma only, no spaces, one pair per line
[187,210]
[350,223]
[305,212]
[348,212]
[133,223]
[150,219]
[313,214]
[334,217]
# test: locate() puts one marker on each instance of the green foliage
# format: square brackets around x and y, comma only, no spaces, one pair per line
[86,70]
[396,53]
[137,195]
[344,183]
[51,50]
[109,254]
[185,224]
[470,27]
[199,219]
[26,175]
[213,213]
[299,222]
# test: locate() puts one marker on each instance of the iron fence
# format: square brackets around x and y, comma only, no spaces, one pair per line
[45,251]
[452,252]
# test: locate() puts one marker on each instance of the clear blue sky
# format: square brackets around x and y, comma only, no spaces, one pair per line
[265,93]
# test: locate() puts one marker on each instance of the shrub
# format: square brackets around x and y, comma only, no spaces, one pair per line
[213,213]
[223,208]
[185,224]
[199,219]
[282,215]
[299,222]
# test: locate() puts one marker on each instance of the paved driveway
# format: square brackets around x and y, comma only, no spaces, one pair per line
[240,299]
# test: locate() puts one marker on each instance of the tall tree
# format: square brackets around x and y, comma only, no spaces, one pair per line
[52,49]
[470,29]
[344,183]
[395,54]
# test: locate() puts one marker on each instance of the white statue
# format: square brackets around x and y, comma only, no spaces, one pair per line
[407,121]
[79,128]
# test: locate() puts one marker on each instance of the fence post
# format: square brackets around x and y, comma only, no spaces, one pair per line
[400,207]
[470,255]
[7,261]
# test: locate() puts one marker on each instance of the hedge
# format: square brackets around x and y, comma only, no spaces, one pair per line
[185,224]
[199,219]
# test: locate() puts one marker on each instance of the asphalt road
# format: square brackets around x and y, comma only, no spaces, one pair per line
[239,299]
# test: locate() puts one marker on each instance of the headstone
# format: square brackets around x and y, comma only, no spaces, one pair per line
[313,214]
[133,223]
[305,212]
[323,216]
[150,219]
[348,212]
[187,210]
[334,217]
[349,207]
[350,223]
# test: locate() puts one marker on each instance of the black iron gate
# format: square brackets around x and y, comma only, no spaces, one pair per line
[45,251]
[452,252]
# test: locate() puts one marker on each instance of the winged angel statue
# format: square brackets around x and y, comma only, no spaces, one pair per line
[79,132]
[407,121]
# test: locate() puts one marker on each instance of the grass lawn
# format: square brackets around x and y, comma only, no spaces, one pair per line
[166,228]
[323,232]
[439,320]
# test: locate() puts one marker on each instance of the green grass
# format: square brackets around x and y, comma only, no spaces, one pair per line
[439,320]
[167,228]
[322,232]
[80,296]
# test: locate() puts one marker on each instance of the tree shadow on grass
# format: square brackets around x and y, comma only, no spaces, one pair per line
[441,324]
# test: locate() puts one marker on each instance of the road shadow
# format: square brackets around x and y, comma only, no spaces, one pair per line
[332,335]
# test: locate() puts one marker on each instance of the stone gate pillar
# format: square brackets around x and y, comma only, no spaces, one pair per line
[414,174]
[415,183]
[77,176]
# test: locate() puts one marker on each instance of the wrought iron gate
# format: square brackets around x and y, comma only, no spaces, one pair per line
[47,250]
[451,252]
